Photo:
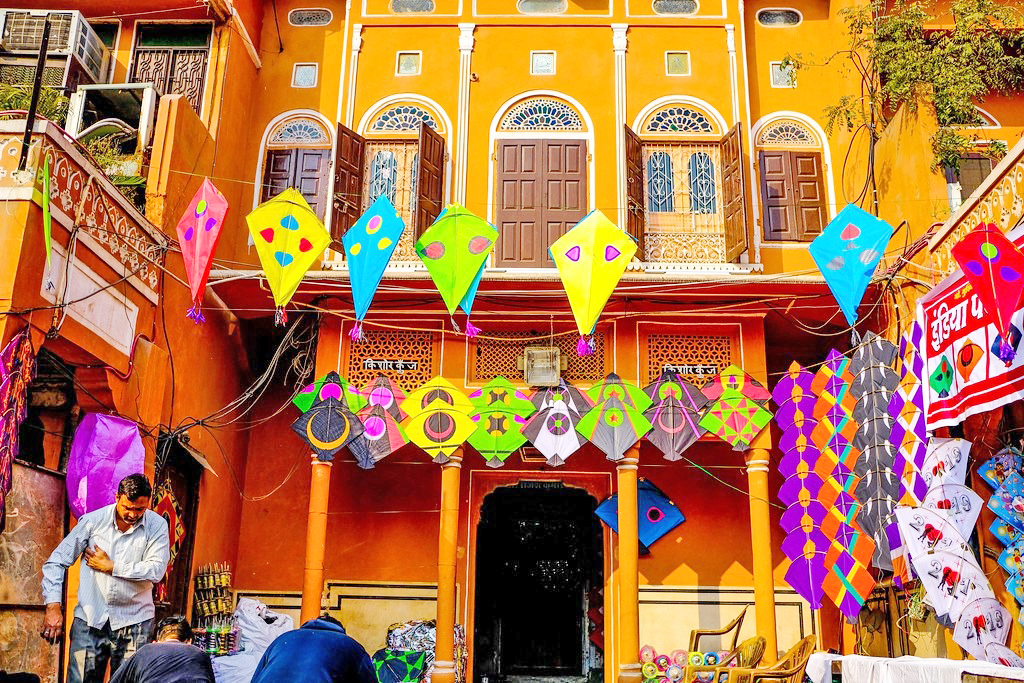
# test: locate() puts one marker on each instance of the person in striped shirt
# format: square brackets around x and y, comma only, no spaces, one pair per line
[124,549]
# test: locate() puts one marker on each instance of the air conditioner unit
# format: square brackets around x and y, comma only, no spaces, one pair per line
[64,72]
[71,38]
[542,365]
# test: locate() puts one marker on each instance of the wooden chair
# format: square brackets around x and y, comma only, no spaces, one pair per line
[746,656]
[789,669]
[733,626]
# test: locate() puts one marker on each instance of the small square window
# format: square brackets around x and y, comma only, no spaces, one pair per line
[542,63]
[305,75]
[677,63]
[783,76]
[408,64]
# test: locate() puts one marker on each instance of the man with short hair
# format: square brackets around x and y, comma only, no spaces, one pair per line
[124,549]
[319,652]
[171,658]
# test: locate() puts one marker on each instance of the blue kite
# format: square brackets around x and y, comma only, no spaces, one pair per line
[657,515]
[369,245]
[847,253]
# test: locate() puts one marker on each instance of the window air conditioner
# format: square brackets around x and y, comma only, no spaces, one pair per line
[542,365]
[73,48]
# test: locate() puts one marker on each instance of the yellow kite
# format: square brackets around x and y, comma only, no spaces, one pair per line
[591,259]
[289,238]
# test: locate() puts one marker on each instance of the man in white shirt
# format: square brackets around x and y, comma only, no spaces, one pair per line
[124,549]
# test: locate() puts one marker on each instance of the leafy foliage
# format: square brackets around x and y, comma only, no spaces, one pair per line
[52,102]
[977,51]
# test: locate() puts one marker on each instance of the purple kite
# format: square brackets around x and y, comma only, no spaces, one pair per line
[105,450]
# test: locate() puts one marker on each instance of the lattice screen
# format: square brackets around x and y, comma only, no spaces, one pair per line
[500,357]
[393,345]
[697,357]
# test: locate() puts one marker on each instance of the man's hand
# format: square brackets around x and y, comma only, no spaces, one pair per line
[97,559]
[53,622]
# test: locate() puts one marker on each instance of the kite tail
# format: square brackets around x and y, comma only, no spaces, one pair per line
[584,347]
[1006,352]
[280,317]
[196,313]
[471,329]
[456,325]
[356,333]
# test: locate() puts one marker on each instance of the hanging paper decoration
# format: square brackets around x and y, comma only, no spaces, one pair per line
[386,394]
[566,393]
[995,268]
[501,412]
[368,246]
[47,218]
[289,238]
[439,428]
[848,582]
[804,545]
[873,383]
[328,426]
[736,412]
[951,581]
[198,232]
[1012,558]
[945,461]
[454,249]
[909,432]
[847,252]
[674,414]
[956,502]
[552,431]
[657,515]
[614,426]
[995,470]
[166,505]
[591,259]
[382,436]
[1008,500]
[17,368]
[105,450]
[997,653]
[331,385]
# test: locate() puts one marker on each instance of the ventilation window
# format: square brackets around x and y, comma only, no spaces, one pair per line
[310,17]
[779,17]
[675,6]
[783,75]
[408,64]
[542,6]
[412,6]
[304,75]
[677,63]
[542,63]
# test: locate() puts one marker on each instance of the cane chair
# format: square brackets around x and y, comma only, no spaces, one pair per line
[789,669]
[746,656]
[732,627]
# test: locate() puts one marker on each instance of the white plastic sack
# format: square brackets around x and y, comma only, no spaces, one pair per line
[259,626]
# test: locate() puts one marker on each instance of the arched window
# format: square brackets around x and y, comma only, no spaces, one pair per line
[794,196]
[403,118]
[660,190]
[679,119]
[542,113]
[703,192]
[298,155]
[301,130]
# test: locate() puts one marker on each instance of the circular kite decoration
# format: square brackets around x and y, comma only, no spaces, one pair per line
[654,514]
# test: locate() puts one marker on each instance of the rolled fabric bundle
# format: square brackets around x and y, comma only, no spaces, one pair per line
[711,659]
[647,653]
[695,659]
[679,657]
[675,673]
[649,670]
[662,662]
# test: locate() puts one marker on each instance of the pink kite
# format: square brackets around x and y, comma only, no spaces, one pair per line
[198,232]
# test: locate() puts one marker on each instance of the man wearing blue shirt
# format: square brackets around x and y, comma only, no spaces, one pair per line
[319,652]
[124,549]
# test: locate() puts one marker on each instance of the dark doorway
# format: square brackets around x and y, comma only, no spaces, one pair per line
[538,574]
[176,497]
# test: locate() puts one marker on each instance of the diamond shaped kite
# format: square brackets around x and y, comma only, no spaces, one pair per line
[198,232]
[736,413]
[614,426]
[438,428]
[369,245]
[331,385]
[382,435]
[552,431]
[328,426]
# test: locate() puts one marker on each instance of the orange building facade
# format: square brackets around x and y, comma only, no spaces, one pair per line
[675,118]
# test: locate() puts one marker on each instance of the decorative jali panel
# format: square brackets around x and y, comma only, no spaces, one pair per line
[494,357]
[696,357]
[410,359]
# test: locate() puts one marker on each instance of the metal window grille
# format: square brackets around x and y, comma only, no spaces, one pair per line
[398,184]
[660,183]
[383,176]
[703,190]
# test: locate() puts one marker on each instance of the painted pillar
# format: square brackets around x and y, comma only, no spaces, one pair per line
[619,45]
[466,43]
[316,540]
[447,550]
[761,543]
[629,578]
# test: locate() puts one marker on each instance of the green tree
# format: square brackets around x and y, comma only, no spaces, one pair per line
[52,102]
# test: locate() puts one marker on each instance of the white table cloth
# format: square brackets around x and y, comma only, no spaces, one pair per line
[861,669]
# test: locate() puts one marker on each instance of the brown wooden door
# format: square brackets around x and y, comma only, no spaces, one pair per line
[734,196]
[347,204]
[182,473]
[303,169]
[542,193]
[429,178]
[636,215]
[793,194]
[278,172]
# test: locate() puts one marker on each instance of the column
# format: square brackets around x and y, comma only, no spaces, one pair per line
[316,540]
[447,550]
[466,43]
[629,579]
[619,43]
[350,99]
[761,543]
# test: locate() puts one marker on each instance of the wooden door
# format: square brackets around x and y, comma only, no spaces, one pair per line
[734,194]
[542,193]
[636,215]
[182,474]
[429,178]
[347,204]
[278,172]
[793,194]
[303,169]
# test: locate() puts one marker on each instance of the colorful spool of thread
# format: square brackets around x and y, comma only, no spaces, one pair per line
[695,659]
[649,670]
[679,657]
[662,662]
[647,653]
[675,673]
[711,659]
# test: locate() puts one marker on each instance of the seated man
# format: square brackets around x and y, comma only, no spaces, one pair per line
[319,652]
[171,658]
